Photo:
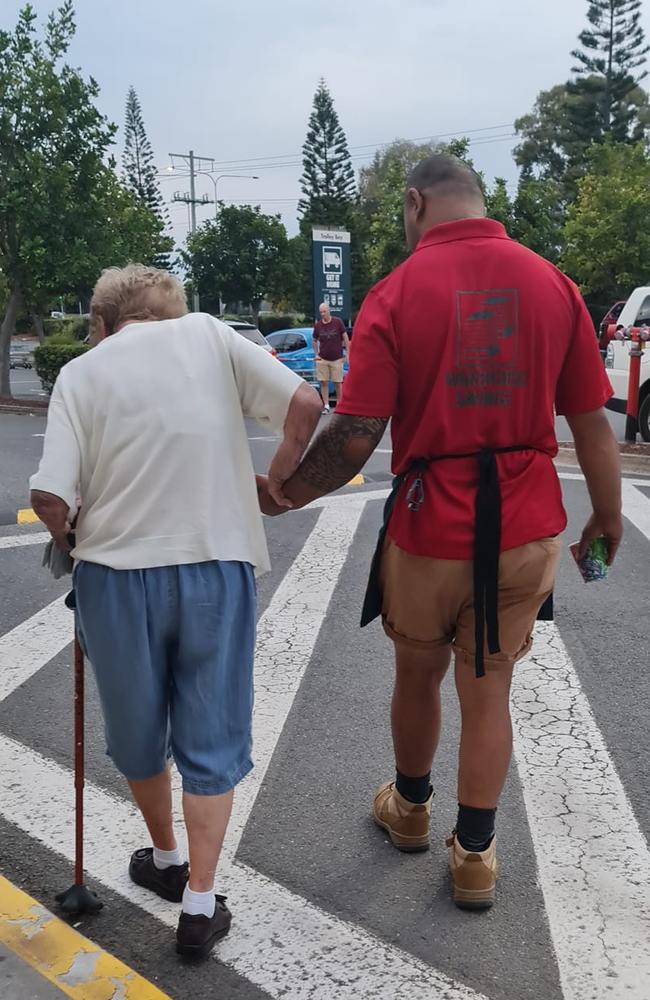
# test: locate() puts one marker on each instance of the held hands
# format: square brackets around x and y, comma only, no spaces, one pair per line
[284,464]
[609,527]
[267,504]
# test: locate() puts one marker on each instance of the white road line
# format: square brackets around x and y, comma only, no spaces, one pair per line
[32,644]
[593,860]
[636,507]
[33,538]
[594,863]
[286,636]
[331,959]
[280,942]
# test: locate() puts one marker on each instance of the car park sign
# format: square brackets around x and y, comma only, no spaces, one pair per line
[331,272]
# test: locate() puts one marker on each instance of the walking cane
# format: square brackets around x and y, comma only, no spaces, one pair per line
[79,898]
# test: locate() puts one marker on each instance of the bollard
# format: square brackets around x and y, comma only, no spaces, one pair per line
[632,410]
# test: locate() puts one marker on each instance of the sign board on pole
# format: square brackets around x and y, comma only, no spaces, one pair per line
[331,271]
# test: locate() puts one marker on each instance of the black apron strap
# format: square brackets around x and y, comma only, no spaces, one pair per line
[487,549]
[546,612]
[373,601]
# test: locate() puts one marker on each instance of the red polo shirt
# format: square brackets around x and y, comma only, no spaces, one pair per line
[474,342]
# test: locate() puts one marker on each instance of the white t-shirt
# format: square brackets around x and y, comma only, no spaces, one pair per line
[148,429]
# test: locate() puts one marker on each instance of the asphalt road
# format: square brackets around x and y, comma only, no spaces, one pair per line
[21,442]
[324,908]
[26,383]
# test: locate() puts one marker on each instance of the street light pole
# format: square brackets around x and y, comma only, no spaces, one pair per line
[196,305]
[191,200]
[215,182]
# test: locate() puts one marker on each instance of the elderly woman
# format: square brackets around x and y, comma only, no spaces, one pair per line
[148,430]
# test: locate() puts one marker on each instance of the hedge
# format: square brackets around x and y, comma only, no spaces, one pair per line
[49,359]
[71,328]
[271,322]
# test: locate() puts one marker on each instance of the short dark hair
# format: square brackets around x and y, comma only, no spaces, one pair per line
[443,171]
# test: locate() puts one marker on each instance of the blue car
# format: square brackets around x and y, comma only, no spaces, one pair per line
[295,350]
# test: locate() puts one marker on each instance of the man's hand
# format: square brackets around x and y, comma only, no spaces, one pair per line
[55,515]
[267,504]
[610,528]
[599,457]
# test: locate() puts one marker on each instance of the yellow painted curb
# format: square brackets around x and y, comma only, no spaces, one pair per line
[72,963]
[357,481]
[26,516]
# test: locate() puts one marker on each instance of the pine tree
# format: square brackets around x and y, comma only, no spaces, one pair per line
[139,170]
[613,50]
[327,183]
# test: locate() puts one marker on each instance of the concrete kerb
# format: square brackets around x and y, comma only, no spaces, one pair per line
[71,963]
[635,458]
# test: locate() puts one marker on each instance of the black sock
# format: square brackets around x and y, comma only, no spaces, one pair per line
[416,790]
[475,828]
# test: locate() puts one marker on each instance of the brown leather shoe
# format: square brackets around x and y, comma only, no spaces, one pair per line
[406,823]
[474,875]
[197,934]
[168,883]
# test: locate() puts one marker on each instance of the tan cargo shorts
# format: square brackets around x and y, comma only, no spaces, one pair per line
[329,371]
[429,603]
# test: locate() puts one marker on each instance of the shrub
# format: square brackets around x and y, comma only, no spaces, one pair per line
[50,358]
[68,330]
[270,322]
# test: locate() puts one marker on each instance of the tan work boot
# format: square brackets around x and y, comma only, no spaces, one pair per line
[474,875]
[407,823]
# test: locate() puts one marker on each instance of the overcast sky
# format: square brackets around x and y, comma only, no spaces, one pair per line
[235,80]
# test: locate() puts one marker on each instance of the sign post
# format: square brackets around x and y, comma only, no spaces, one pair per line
[332,280]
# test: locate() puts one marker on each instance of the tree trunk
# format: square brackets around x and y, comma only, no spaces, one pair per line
[7,330]
[37,320]
[255,307]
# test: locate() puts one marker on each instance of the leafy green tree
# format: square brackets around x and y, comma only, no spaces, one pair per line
[52,135]
[401,154]
[613,49]
[120,229]
[242,256]
[387,247]
[139,170]
[604,100]
[383,186]
[607,233]
[499,205]
[538,217]
[63,213]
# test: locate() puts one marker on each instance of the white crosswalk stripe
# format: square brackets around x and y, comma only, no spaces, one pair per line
[593,860]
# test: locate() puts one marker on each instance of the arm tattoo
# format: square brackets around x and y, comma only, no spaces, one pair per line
[341,451]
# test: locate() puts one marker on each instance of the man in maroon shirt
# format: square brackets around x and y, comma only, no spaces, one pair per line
[470,346]
[330,344]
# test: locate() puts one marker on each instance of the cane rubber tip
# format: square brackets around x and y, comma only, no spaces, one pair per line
[79,899]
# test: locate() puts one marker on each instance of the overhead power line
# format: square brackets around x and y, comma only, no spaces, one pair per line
[360,152]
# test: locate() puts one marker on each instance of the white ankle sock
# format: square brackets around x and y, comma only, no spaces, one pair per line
[198,903]
[165,859]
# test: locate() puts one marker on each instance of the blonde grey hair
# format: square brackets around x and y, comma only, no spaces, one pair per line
[136,292]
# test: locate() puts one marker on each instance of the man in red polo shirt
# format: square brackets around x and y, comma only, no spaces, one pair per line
[470,347]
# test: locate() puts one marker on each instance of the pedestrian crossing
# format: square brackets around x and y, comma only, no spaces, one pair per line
[591,851]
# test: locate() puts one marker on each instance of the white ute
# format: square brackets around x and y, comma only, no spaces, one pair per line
[636,312]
